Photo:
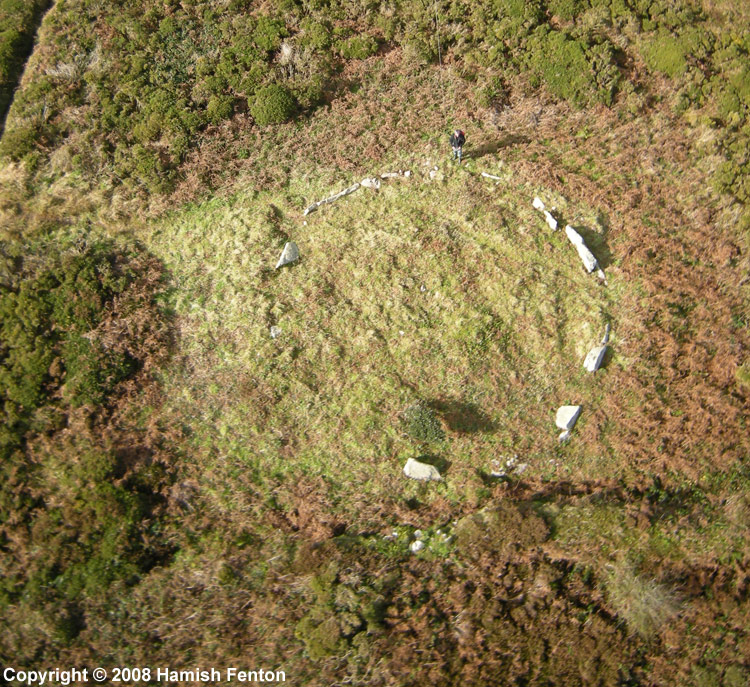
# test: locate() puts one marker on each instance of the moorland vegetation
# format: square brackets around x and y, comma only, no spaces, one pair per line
[179,488]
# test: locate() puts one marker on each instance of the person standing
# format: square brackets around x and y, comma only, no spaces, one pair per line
[457,143]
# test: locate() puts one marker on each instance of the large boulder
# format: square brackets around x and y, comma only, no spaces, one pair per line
[421,471]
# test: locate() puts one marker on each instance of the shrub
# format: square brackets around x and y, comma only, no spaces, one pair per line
[273,104]
[268,33]
[665,54]
[219,108]
[566,9]
[358,47]
[562,63]
[316,35]
[422,424]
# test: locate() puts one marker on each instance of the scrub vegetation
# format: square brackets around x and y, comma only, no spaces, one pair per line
[179,488]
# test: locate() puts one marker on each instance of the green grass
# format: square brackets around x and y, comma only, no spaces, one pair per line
[397,296]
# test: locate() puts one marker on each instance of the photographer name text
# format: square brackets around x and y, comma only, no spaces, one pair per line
[69,676]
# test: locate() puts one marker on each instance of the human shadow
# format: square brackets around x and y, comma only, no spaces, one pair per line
[491,147]
[461,417]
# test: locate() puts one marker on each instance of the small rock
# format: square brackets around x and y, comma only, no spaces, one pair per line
[421,471]
[605,338]
[416,546]
[417,534]
[594,358]
[288,255]
[310,208]
[275,332]
[496,470]
[389,175]
[566,416]
[370,182]
[551,221]
[422,288]
[521,468]
[407,173]
[564,436]
[433,173]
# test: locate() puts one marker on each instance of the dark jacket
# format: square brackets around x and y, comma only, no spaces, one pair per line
[458,139]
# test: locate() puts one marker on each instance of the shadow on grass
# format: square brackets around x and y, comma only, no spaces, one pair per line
[597,243]
[491,147]
[461,417]
[442,464]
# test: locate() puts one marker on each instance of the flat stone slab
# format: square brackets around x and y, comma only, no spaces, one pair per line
[288,255]
[551,221]
[594,358]
[538,204]
[421,471]
[370,182]
[589,261]
[567,416]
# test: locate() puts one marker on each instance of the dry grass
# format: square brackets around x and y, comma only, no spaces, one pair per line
[644,604]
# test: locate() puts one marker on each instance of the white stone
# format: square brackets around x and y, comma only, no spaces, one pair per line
[416,546]
[370,182]
[421,471]
[407,173]
[275,332]
[538,204]
[417,534]
[594,358]
[566,416]
[605,338]
[389,175]
[310,208]
[521,468]
[288,255]
[491,176]
[564,436]
[551,221]
[589,261]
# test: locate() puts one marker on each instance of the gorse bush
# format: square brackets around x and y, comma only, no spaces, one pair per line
[422,424]
[73,326]
[273,104]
